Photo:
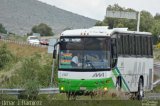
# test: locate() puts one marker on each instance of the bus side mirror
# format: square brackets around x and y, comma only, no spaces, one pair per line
[55,51]
[54,54]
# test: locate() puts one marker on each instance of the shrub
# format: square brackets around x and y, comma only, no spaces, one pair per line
[32,75]
[5,56]
[158,46]
[42,29]
[2,29]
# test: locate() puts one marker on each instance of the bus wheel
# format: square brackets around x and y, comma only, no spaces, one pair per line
[140,93]
[118,83]
[92,95]
[71,96]
[68,95]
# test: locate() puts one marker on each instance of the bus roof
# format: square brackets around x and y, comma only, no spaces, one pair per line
[99,31]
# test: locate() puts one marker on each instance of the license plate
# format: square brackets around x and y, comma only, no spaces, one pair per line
[82,88]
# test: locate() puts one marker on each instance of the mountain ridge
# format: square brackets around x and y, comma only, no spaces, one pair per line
[19,16]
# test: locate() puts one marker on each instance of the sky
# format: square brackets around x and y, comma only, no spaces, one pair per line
[96,9]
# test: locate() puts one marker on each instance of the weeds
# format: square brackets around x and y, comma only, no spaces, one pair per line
[5,56]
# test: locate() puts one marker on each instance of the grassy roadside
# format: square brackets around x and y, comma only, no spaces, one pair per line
[26,59]
[31,69]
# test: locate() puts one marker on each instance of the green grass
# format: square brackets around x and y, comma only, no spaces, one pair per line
[156,54]
[61,100]
[156,77]
[157,89]
[9,74]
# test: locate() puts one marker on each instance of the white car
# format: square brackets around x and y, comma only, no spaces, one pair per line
[33,40]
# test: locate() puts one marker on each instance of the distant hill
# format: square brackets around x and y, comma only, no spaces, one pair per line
[19,16]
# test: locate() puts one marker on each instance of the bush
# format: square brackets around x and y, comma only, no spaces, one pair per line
[42,29]
[5,56]
[158,46]
[32,75]
[2,29]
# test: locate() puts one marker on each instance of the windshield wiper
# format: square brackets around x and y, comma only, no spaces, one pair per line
[89,62]
[92,65]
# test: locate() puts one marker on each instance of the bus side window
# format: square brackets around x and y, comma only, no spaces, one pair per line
[114,48]
[134,38]
[126,43]
[150,46]
[143,43]
[120,45]
[114,52]
[123,45]
[146,47]
[151,40]
[136,45]
[130,46]
[139,45]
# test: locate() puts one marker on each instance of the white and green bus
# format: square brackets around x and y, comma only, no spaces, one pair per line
[102,58]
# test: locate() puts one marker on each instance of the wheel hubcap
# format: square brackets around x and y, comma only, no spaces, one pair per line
[141,90]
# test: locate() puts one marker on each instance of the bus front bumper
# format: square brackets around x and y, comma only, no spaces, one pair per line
[85,86]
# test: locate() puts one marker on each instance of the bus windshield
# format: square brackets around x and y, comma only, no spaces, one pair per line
[84,53]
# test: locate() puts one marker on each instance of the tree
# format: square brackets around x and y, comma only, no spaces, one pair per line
[155,31]
[100,23]
[115,7]
[156,28]
[2,29]
[43,29]
[115,22]
[157,16]
[146,22]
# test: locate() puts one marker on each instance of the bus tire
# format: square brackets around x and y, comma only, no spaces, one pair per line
[140,93]
[68,94]
[119,83]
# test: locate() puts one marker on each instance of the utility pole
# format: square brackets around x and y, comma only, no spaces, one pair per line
[138,21]
[52,42]
[52,75]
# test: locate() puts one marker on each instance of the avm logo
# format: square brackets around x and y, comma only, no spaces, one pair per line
[98,75]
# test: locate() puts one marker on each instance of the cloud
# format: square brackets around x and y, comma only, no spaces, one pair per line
[90,8]
[96,9]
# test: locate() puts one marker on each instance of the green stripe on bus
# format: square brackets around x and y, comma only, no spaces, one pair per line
[117,73]
[124,82]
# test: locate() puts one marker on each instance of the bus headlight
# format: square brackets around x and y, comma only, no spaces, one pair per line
[105,89]
[62,88]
